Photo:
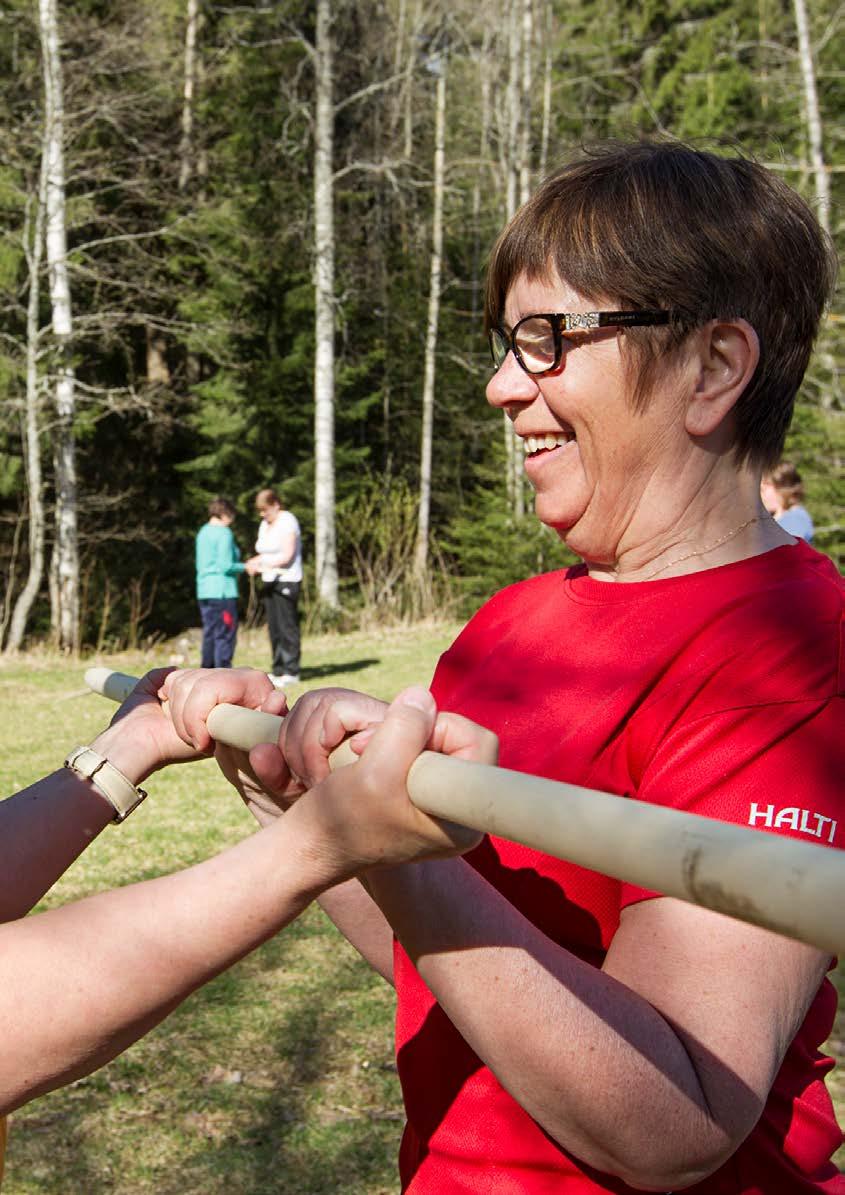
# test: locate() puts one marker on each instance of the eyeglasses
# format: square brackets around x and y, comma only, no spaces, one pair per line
[537,341]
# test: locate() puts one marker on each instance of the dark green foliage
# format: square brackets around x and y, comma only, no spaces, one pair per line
[495,548]
[219,270]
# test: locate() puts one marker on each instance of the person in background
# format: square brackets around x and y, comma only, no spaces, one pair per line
[218,567]
[278,560]
[782,492]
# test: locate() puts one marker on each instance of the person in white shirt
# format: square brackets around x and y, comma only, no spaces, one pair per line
[278,559]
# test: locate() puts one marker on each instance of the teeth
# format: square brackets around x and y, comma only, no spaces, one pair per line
[536,443]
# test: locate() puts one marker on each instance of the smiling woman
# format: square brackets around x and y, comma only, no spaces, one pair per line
[559,1030]
[651,311]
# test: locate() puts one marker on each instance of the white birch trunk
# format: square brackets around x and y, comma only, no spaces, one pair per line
[548,26]
[526,80]
[512,456]
[66,549]
[513,97]
[813,117]
[32,447]
[519,67]
[416,22]
[186,148]
[483,172]
[424,516]
[324,482]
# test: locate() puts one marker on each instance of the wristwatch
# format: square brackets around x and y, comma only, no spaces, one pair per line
[118,790]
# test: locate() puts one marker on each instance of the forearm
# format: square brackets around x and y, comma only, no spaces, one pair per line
[362,923]
[81,983]
[43,829]
[595,1064]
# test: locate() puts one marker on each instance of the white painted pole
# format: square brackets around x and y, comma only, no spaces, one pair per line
[792,887]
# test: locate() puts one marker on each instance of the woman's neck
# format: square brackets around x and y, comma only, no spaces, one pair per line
[721,522]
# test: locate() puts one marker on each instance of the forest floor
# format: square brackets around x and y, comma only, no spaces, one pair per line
[279,1075]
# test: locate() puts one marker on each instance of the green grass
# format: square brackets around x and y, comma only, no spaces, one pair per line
[278,1076]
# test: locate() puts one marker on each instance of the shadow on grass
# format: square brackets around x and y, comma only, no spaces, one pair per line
[320,670]
[158,1121]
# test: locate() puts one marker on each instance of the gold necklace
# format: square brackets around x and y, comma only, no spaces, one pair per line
[703,552]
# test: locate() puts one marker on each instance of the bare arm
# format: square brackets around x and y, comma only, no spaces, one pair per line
[268,788]
[80,983]
[46,826]
[684,1028]
[362,923]
[43,829]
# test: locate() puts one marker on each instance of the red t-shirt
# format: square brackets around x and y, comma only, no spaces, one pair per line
[719,693]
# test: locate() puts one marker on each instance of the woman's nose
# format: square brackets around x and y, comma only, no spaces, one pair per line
[510,385]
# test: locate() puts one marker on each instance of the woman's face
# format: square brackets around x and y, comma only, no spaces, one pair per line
[599,469]
[270,512]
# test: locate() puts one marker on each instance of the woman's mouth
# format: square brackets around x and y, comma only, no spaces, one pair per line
[534,444]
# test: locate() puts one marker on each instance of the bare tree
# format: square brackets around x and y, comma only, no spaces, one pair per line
[518,180]
[525,93]
[813,117]
[186,147]
[437,66]
[65,566]
[34,251]
[325,532]
[548,27]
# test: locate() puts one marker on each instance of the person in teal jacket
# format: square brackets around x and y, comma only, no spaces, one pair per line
[218,567]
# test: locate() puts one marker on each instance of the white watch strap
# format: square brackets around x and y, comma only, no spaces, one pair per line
[119,791]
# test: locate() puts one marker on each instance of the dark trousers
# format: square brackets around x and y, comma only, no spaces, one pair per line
[219,631]
[281,599]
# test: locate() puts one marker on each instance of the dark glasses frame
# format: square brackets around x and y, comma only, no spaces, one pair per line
[502,342]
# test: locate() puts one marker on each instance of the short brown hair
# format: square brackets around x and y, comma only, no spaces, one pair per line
[267,497]
[659,224]
[787,481]
[221,508]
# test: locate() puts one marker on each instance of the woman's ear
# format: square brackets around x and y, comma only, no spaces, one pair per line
[727,354]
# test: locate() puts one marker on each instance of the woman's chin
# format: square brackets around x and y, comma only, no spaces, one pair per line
[561,518]
[584,541]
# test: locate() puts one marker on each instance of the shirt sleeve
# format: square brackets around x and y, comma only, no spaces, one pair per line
[777,768]
[231,562]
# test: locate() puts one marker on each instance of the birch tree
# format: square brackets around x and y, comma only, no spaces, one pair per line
[34,251]
[325,533]
[517,158]
[525,92]
[813,117]
[65,565]
[437,66]
[186,147]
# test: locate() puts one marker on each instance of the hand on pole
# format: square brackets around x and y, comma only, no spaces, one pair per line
[260,775]
[141,738]
[362,816]
[318,723]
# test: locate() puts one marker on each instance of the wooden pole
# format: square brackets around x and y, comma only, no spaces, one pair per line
[785,885]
